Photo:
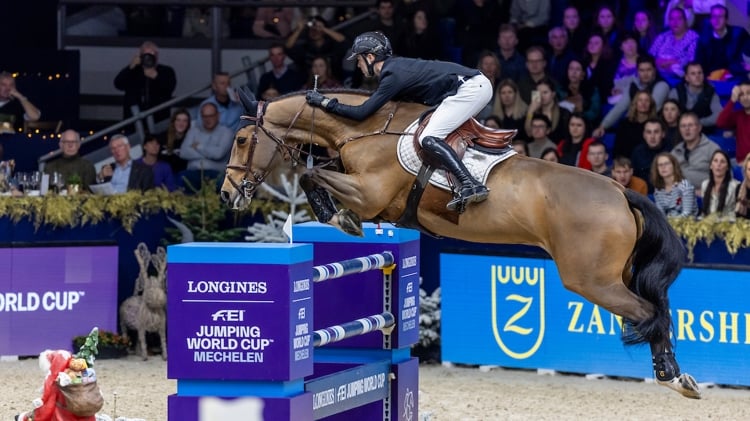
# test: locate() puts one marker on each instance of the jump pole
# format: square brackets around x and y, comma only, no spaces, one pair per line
[244,317]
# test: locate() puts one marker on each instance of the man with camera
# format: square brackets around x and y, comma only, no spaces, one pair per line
[146,83]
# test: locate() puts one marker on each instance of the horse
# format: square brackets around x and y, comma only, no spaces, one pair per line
[612,246]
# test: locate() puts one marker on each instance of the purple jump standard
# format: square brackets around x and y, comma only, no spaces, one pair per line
[244,319]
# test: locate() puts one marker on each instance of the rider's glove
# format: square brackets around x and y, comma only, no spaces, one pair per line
[319,100]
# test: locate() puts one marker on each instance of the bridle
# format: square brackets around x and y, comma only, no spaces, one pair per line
[252,179]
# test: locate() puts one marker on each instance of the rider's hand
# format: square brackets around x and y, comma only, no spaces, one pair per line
[319,100]
[315,98]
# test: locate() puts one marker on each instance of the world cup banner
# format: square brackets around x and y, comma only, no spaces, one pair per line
[515,312]
[49,295]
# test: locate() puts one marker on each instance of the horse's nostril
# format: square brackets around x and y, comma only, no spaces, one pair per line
[224,196]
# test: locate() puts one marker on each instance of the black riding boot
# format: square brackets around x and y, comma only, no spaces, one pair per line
[470,189]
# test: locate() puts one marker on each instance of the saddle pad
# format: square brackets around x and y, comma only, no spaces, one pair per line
[479,164]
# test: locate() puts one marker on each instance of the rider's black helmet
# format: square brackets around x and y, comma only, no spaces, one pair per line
[375,43]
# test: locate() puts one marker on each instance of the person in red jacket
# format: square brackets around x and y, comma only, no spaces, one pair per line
[738,120]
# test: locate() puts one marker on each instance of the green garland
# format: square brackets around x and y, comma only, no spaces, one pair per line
[79,210]
[736,234]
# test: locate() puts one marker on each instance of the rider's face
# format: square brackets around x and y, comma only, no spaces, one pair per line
[362,64]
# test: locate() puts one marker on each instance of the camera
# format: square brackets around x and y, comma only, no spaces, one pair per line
[148,60]
[311,22]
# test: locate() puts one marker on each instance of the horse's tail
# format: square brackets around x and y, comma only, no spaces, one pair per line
[657,260]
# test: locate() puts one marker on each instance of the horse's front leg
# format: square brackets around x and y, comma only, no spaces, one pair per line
[325,210]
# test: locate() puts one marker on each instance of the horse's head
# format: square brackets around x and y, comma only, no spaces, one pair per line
[250,159]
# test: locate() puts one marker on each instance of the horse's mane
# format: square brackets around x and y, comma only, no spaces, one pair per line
[324,91]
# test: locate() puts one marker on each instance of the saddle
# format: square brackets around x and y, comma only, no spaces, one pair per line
[471,134]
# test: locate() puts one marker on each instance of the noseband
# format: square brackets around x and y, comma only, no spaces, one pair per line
[252,179]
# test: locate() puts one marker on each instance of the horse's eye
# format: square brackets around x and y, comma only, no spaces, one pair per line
[241,140]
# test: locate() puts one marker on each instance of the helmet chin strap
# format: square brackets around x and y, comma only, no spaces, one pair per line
[370,66]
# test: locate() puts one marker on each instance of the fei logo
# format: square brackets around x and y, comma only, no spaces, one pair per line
[518,309]
[229,315]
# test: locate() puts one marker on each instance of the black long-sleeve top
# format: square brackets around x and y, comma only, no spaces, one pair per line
[427,82]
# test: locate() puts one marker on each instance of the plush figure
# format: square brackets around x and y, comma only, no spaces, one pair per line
[53,363]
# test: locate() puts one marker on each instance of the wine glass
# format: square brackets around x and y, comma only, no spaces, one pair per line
[57,182]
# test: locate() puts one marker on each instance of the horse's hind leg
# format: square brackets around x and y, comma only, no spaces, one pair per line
[667,371]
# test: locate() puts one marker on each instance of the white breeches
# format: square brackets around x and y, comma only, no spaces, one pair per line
[472,96]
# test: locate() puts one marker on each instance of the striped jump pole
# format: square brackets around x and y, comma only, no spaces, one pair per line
[384,322]
[356,265]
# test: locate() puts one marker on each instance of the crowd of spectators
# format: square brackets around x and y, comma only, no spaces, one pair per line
[634,90]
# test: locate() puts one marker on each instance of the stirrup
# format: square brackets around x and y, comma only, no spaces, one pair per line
[467,194]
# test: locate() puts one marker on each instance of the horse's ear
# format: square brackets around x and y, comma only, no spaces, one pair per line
[249,103]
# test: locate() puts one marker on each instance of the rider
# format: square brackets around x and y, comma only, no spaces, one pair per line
[459,92]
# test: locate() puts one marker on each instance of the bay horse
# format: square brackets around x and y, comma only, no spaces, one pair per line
[611,246]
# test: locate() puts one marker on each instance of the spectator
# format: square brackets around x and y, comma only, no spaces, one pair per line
[320,68]
[550,154]
[476,26]
[719,48]
[545,102]
[738,120]
[387,21]
[320,41]
[493,122]
[685,5]
[146,83]
[673,193]
[521,147]
[674,48]
[743,197]
[421,39]
[597,156]
[512,63]
[125,174]
[273,22]
[648,80]
[560,54]
[179,124]
[539,129]
[163,176]
[510,107]
[15,108]
[574,148]
[580,95]
[646,29]
[629,132]
[283,77]
[670,114]
[206,148]
[627,68]
[695,151]
[535,73]
[600,67]
[719,190]
[577,35]
[697,95]
[606,24]
[622,172]
[489,65]
[71,162]
[226,100]
[531,18]
[644,153]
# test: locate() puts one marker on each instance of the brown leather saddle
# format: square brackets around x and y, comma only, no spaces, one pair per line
[471,134]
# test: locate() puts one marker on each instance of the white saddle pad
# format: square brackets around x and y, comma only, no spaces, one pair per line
[478,163]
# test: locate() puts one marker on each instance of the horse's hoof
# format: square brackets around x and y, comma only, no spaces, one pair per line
[685,385]
[350,222]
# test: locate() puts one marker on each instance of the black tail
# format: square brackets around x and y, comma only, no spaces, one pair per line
[658,258]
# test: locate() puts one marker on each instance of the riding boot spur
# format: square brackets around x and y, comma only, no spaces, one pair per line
[470,189]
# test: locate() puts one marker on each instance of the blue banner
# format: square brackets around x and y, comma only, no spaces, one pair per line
[515,312]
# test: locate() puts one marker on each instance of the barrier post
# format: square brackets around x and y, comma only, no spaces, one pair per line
[242,326]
